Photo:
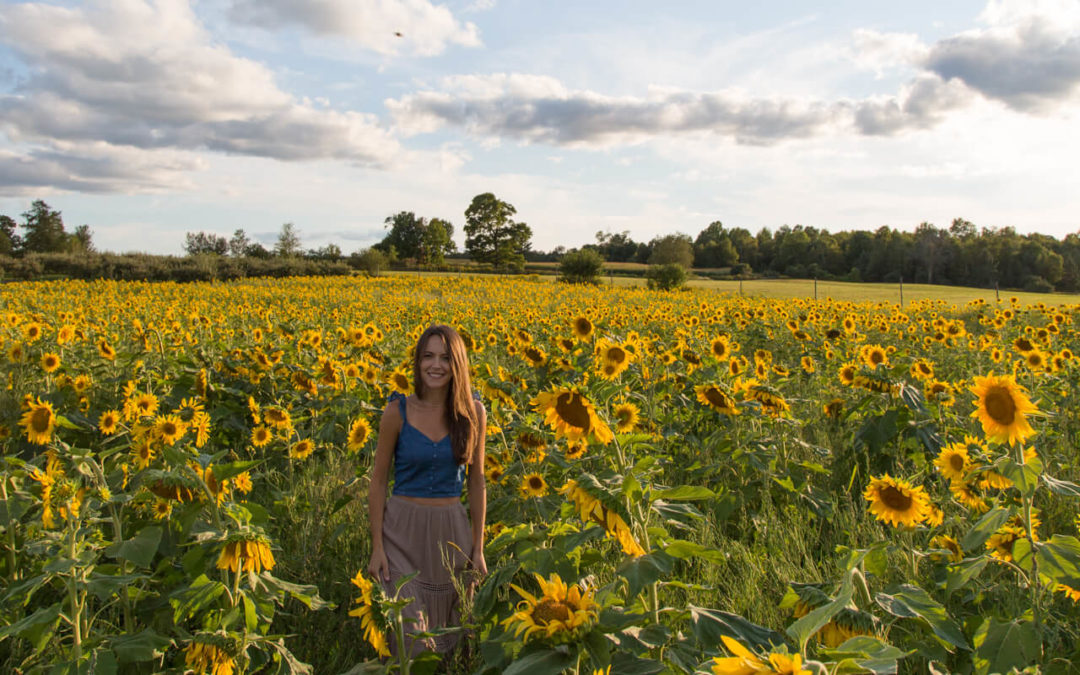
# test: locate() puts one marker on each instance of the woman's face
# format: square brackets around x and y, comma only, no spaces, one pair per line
[435,369]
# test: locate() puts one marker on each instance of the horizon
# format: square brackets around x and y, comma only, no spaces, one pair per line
[148,120]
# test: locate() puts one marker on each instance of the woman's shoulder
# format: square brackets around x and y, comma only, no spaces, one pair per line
[393,408]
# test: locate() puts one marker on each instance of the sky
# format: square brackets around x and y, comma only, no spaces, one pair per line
[149,119]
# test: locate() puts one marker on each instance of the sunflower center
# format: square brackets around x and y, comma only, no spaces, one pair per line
[548,610]
[716,397]
[536,483]
[533,354]
[956,462]
[624,416]
[583,326]
[616,355]
[168,429]
[401,381]
[877,358]
[40,419]
[571,408]
[895,499]
[1000,406]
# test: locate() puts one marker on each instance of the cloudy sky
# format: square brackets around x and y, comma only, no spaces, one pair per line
[148,119]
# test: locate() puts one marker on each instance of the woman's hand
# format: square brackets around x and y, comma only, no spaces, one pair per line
[379,567]
[478,562]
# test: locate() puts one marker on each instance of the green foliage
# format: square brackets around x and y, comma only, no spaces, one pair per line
[370,260]
[672,249]
[492,236]
[288,242]
[583,266]
[666,277]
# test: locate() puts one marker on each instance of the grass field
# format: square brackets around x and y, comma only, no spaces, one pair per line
[840,290]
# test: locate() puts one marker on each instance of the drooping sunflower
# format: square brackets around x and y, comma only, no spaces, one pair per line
[896,501]
[358,435]
[559,613]
[533,485]
[39,422]
[1002,406]
[953,461]
[206,656]
[716,398]
[591,509]
[247,552]
[571,415]
[965,493]
[627,416]
[369,614]
[105,350]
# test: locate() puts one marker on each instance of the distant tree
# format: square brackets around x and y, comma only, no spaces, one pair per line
[239,243]
[10,242]
[672,248]
[492,236]
[81,240]
[288,242]
[43,230]
[746,247]
[436,242]
[331,252]
[618,247]
[406,234]
[196,243]
[370,260]
[583,266]
[714,248]
[257,250]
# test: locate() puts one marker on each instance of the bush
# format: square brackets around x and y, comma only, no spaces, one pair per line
[741,269]
[1036,284]
[667,277]
[370,260]
[583,266]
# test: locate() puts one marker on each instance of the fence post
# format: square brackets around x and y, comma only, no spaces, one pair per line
[815,288]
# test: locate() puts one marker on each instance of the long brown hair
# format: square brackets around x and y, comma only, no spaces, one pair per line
[460,407]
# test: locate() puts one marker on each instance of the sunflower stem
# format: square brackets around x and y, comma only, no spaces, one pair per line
[11,533]
[1029,531]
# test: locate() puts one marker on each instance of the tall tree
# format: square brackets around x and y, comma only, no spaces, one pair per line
[288,242]
[714,248]
[491,234]
[196,243]
[239,243]
[436,242]
[44,229]
[675,248]
[10,242]
[81,240]
[406,234]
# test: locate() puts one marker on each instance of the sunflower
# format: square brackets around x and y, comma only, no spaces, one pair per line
[1002,406]
[302,449]
[834,408]
[358,435]
[560,613]
[874,356]
[744,661]
[49,362]
[399,381]
[278,418]
[39,422]
[807,364]
[1023,344]
[922,370]
[847,373]
[105,350]
[369,615]
[169,429]
[590,509]
[32,331]
[142,453]
[946,543]
[1000,544]
[1070,592]
[965,493]
[208,658]
[243,483]
[141,405]
[200,421]
[250,553]
[716,398]
[161,509]
[534,356]
[720,347]
[896,501]
[571,415]
[612,358]
[582,327]
[576,449]
[992,480]
[953,461]
[261,436]
[627,416]
[533,485]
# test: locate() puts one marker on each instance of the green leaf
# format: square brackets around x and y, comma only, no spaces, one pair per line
[959,574]
[911,601]
[711,624]
[488,592]
[1061,487]
[140,549]
[251,617]
[307,594]
[224,472]
[640,572]
[628,664]
[1025,477]
[987,525]
[541,662]
[1000,647]
[685,493]
[27,625]
[863,654]
[187,602]
[1059,559]
[144,646]
[682,550]
[805,628]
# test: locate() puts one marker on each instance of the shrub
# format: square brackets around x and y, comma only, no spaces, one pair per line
[667,277]
[1036,284]
[370,260]
[583,266]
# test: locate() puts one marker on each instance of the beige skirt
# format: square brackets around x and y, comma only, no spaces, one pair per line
[436,541]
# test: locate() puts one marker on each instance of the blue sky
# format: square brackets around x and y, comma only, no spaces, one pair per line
[149,119]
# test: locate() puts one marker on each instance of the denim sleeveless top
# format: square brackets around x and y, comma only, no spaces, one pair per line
[423,467]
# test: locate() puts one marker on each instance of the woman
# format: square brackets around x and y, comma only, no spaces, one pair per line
[435,441]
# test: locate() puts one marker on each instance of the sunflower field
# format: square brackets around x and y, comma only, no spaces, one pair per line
[677,482]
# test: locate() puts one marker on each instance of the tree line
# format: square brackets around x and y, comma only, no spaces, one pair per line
[961,254]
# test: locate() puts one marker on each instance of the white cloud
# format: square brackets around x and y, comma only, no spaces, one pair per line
[384,26]
[884,51]
[134,75]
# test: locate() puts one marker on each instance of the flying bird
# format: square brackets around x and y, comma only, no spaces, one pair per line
[398,33]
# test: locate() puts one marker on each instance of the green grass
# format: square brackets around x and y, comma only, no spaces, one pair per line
[837,290]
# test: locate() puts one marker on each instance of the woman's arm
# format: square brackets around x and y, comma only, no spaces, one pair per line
[389,427]
[478,494]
